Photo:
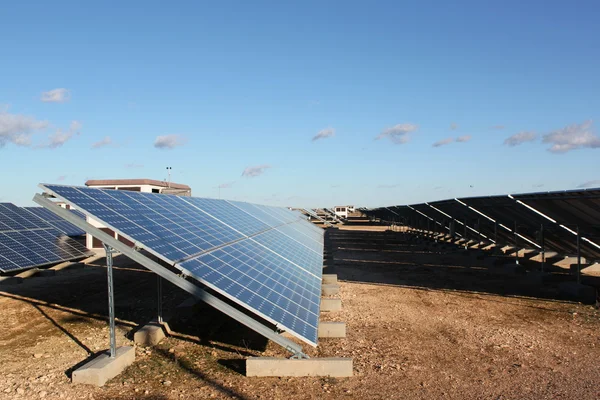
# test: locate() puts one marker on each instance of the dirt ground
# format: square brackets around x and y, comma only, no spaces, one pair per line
[420,325]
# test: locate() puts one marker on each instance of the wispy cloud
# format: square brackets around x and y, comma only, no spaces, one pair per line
[443,142]
[399,133]
[324,133]
[388,186]
[520,138]
[134,165]
[17,129]
[251,172]
[590,184]
[106,141]
[537,186]
[60,95]
[169,141]
[572,137]
[453,126]
[60,137]
[226,185]
[498,127]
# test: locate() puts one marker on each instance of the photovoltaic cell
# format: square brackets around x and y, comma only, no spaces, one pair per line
[57,222]
[27,241]
[267,259]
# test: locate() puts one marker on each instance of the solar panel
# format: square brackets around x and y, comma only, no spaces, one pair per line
[267,259]
[27,241]
[57,222]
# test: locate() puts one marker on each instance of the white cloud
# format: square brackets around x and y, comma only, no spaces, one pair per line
[17,129]
[61,137]
[134,165]
[443,142]
[572,137]
[169,141]
[251,172]
[590,184]
[399,133]
[59,95]
[106,141]
[463,139]
[520,138]
[324,133]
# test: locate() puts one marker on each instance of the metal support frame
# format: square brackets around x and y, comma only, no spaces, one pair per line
[516,246]
[159,311]
[163,272]
[543,243]
[578,255]
[111,300]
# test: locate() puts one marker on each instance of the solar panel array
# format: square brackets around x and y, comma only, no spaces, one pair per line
[516,219]
[59,223]
[267,259]
[27,241]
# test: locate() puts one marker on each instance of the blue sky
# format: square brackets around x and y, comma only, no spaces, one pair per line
[320,103]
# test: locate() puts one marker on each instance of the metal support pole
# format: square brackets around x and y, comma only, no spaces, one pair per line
[543,240]
[578,255]
[495,231]
[159,290]
[516,246]
[111,301]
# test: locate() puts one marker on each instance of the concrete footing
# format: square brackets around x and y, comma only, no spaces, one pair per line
[67,266]
[103,368]
[29,273]
[331,305]
[150,334]
[330,289]
[567,261]
[577,291]
[268,366]
[332,329]
[329,279]
[593,270]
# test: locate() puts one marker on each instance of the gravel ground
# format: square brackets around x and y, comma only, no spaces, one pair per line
[417,328]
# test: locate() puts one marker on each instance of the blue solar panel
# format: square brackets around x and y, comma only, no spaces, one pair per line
[304,257]
[13,218]
[57,222]
[278,290]
[261,257]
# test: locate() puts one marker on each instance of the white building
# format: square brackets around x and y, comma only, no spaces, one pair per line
[343,211]
[134,185]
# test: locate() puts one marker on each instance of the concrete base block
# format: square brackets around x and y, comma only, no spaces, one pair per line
[593,270]
[269,366]
[330,289]
[149,335]
[67,267]
[10,280]
[331,305]
[332,329]
[30,273]
[548,255]
[103,368]
[567,261]
[330,279]
[577,291]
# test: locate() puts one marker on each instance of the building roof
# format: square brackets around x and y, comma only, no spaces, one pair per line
[122,182]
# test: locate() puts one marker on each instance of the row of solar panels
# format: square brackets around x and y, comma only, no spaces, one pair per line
[33,236]
[550,218]
[267,259]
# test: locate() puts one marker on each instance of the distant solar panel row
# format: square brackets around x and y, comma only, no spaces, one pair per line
[27,241]
[57,222]
[267,259]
